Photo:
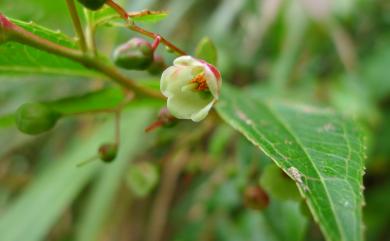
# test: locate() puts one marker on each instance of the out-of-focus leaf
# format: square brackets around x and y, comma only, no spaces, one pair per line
[32,215]
[6,120]
[278,185]
[219,141]
[142,178]
[103,194]
[107,98]
[16,58]
[100,100]
[377,212]
[317,148]
[207,51]
[107,16]
[375,71]
[285,220]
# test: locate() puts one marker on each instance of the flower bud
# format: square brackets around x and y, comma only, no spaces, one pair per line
[35,118]
[108,152]
[192,86]
[92,4]
[158,65]
[135,54]
[256,198]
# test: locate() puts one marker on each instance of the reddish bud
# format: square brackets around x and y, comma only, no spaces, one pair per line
[256,198]
[5,24]
[108,152]
[135,54]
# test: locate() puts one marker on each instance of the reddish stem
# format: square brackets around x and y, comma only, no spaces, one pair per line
[154,125]
[118,9]
[156,42]
[154,36]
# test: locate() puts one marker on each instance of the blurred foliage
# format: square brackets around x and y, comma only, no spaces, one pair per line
[326,52]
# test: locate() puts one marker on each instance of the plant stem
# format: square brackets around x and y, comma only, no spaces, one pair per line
[118,9]
[76,24]
[90,32]
[18,34]
[164,196]
[152,35]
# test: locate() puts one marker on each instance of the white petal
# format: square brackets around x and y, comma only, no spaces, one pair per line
[187,61]
[174,78]
[188,103]
[200,115]
[165,79]
[212,82]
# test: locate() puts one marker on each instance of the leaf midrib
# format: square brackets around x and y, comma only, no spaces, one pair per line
[308,156]
[274,116]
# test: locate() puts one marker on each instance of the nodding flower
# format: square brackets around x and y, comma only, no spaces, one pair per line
[192,87]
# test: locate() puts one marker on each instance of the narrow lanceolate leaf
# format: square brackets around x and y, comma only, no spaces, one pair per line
[16,58]
[107,16]
[148,16]
[317,148]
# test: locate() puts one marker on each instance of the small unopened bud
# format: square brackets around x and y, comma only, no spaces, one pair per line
[165,119]
[136,54]
[158,65]
[108,152]
[92,4]
[256,198]
[35,118]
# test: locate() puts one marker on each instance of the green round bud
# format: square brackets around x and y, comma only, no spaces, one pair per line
[136,54]
[35,118]
[108,152]
[92,4]
[158,65]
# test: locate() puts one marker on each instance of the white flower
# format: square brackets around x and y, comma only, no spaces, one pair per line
[192,86]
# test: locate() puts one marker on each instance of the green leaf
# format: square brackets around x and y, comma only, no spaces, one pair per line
[39,207]
[16,58]
[107,98]
[7,120]
[278,185]
[317,148]
[148,16]
[100,100]
[107,16]
[207,51]
[142,178]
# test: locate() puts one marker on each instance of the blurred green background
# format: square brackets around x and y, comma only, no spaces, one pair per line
[325,52]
